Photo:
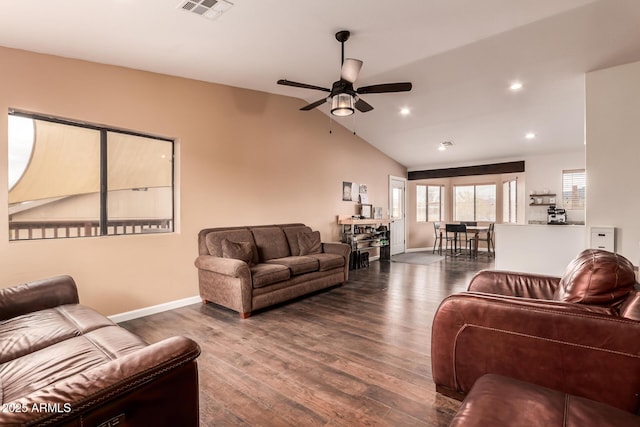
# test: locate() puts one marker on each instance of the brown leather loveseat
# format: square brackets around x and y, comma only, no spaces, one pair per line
[64,364]
[578,334]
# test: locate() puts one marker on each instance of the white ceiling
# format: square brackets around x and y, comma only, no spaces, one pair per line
[461,56]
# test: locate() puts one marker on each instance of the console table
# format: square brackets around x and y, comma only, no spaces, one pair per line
[364,236]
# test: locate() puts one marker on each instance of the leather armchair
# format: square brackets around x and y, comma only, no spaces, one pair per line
[500,401]
[577,334]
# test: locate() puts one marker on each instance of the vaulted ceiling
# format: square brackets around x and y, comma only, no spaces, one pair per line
[461,56]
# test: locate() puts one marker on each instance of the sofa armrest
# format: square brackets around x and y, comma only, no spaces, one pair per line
[337,248]
[37,295]
[227,266]
[515,284]
[156,385]
[569,347]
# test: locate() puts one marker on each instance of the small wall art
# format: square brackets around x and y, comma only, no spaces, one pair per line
[346,191]
[364,197]
[366,211]
[377,213]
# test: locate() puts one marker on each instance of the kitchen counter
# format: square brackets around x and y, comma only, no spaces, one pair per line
[538,248]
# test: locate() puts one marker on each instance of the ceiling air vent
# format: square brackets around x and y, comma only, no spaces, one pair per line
[210,9]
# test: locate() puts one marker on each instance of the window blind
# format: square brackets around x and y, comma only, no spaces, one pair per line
[574,184]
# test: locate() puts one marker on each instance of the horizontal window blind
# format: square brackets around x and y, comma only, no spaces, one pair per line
[574,184]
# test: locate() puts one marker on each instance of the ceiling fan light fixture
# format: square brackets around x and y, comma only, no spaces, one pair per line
[342,105]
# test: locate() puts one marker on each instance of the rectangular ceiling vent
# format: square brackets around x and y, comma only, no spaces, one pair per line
[210,9]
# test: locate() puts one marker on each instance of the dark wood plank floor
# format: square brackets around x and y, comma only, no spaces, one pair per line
[356,355]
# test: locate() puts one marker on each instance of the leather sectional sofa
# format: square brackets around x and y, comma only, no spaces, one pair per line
[253,267]
[575,336]
[64,364]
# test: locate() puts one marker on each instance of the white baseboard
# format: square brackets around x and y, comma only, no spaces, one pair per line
[418,249]
[141,312]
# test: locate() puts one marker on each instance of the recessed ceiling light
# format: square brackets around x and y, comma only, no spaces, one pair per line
[444,145]
[530,135]
[405,111]
[515,86]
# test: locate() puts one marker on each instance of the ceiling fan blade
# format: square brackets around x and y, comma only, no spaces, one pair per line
[363,106]
[302,85]
[314,104]
[350,69]
[386,88]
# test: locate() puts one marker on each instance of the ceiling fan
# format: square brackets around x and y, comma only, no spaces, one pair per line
[342,95]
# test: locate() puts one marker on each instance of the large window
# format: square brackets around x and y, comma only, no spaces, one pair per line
[474,203]
[70,179]
[574,185]
[509,201]
[429,200]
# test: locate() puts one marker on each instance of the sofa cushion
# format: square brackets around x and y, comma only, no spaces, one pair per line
[214,240]
[297,264]
[33,331]
[39,369]
[268,274]
[309,243]
[237,250]
[596,277]
[292,237]
[271,243]
[328,261]
[495,400]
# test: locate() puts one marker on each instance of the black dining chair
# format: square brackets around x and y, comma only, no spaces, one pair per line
[456,234]
[488,238]
[437,238]
[469,223]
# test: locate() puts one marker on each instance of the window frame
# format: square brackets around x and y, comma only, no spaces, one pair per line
[512,217]
[475,202]
[570,203]
[425,218]
[103,172]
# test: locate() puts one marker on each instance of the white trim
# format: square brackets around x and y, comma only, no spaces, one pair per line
[430,248]
[404,211]
[147,311]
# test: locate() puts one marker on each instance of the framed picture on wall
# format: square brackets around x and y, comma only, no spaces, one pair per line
[346,191]
[366,211]
[377,213]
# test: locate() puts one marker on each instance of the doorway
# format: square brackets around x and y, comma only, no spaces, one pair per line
[397,215]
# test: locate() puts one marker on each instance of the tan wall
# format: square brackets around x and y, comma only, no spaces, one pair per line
[613,154]
[242,157]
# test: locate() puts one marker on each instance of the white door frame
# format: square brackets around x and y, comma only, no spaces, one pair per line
[404,211]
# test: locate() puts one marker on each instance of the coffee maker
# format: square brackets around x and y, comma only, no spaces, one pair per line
[556,215]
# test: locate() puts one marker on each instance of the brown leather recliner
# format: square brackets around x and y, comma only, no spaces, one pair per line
[501,401]
[578,334]
[64,364]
